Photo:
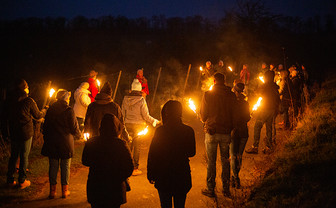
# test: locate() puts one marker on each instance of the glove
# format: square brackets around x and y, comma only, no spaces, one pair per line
[155,122]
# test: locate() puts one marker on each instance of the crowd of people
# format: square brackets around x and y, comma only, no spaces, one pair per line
[113,150]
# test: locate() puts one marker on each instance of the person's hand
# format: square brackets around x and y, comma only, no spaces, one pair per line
[156,122]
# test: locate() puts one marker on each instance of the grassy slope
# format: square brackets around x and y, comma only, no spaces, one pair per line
[304,175]
[38,175]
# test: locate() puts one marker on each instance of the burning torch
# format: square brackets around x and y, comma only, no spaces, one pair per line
[256,106]
[200,75]
[261,78]
[143,132]
[86,136]
[230,68]
[98,84]
[51,93]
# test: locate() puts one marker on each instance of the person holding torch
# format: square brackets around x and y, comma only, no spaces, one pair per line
[136,114]
[265,113]
[93,85]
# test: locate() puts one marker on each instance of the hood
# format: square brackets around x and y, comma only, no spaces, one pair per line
[133,98]
[221,88]
[58,107]
[81,90]
[240,96]
[103,98]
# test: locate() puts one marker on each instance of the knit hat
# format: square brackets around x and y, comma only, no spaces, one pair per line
[63,94]
[107,89]
[136,85]
[21,84]
[84,85]
[110,125]
[239,87]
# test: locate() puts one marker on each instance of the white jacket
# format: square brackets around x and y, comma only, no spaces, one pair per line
[134,109]
[82,101]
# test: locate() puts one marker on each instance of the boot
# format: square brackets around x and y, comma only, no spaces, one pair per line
[52,191]
[65,191]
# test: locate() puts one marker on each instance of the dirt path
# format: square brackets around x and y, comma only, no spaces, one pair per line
[144,195]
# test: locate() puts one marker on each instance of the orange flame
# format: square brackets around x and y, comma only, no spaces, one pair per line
[261,78]
[230,68]
[86,136]
[192,105]
[143,132]
[256,106]
[51,92]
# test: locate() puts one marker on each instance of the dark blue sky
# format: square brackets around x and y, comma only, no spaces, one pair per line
[12,9]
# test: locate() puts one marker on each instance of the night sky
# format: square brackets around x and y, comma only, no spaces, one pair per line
[212,9]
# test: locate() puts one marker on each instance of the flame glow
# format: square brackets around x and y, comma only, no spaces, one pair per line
[192,105]
[143,132]
[255,107]
[201,69]
[210,88]
[51,92]
[86,136]
[98,82]
[261,78]
[230,68]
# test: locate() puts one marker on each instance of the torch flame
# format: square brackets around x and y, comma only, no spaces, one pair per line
[261,78]
[86,136]
[210,88]
[255,107]
[51,92]
[230,68]
[143,132]
[201,69]
[98,83]
[192,105]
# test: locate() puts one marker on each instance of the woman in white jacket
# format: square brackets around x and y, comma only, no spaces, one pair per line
[82,101]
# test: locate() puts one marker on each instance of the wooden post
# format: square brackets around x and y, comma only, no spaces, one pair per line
[186,81]
[116,88]
[156,85]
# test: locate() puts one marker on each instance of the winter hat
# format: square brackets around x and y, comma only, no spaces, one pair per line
[239,87]
[107,89]
[84,85]
[93,73]
[63,94]
[21,84]
[136,85]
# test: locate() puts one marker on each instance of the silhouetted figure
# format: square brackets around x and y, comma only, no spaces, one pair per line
[59,132]
[218,113]
[168,158]
[110,165]
[101,106]
[239,135]
[18,114]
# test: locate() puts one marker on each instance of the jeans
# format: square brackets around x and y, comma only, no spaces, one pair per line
[167,197]
[261,119]
[237,147]
[65,170]
[135,147]
[22,149]
[211,143]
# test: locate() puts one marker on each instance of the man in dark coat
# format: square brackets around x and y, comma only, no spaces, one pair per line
[168,158]
[218,113]
[110,165]
[239,135]
[265,113]
[103,105]
[18,114]
[60,128]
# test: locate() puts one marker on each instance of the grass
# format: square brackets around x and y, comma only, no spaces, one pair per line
[303,175]
[38,174]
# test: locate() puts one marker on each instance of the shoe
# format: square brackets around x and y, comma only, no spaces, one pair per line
[136,172]
[226,193]
[65,191]
[25,184]
[208,193]
[11,185]
[252,150]
[52,191]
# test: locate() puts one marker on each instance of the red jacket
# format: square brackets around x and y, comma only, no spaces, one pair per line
[245,76]
[144,84]
[93,89]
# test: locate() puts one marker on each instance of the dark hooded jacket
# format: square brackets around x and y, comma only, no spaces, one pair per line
[18,113]
[60,128]
[110,164]
[243,116]
[218,110]
[170,149]
[96,110]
